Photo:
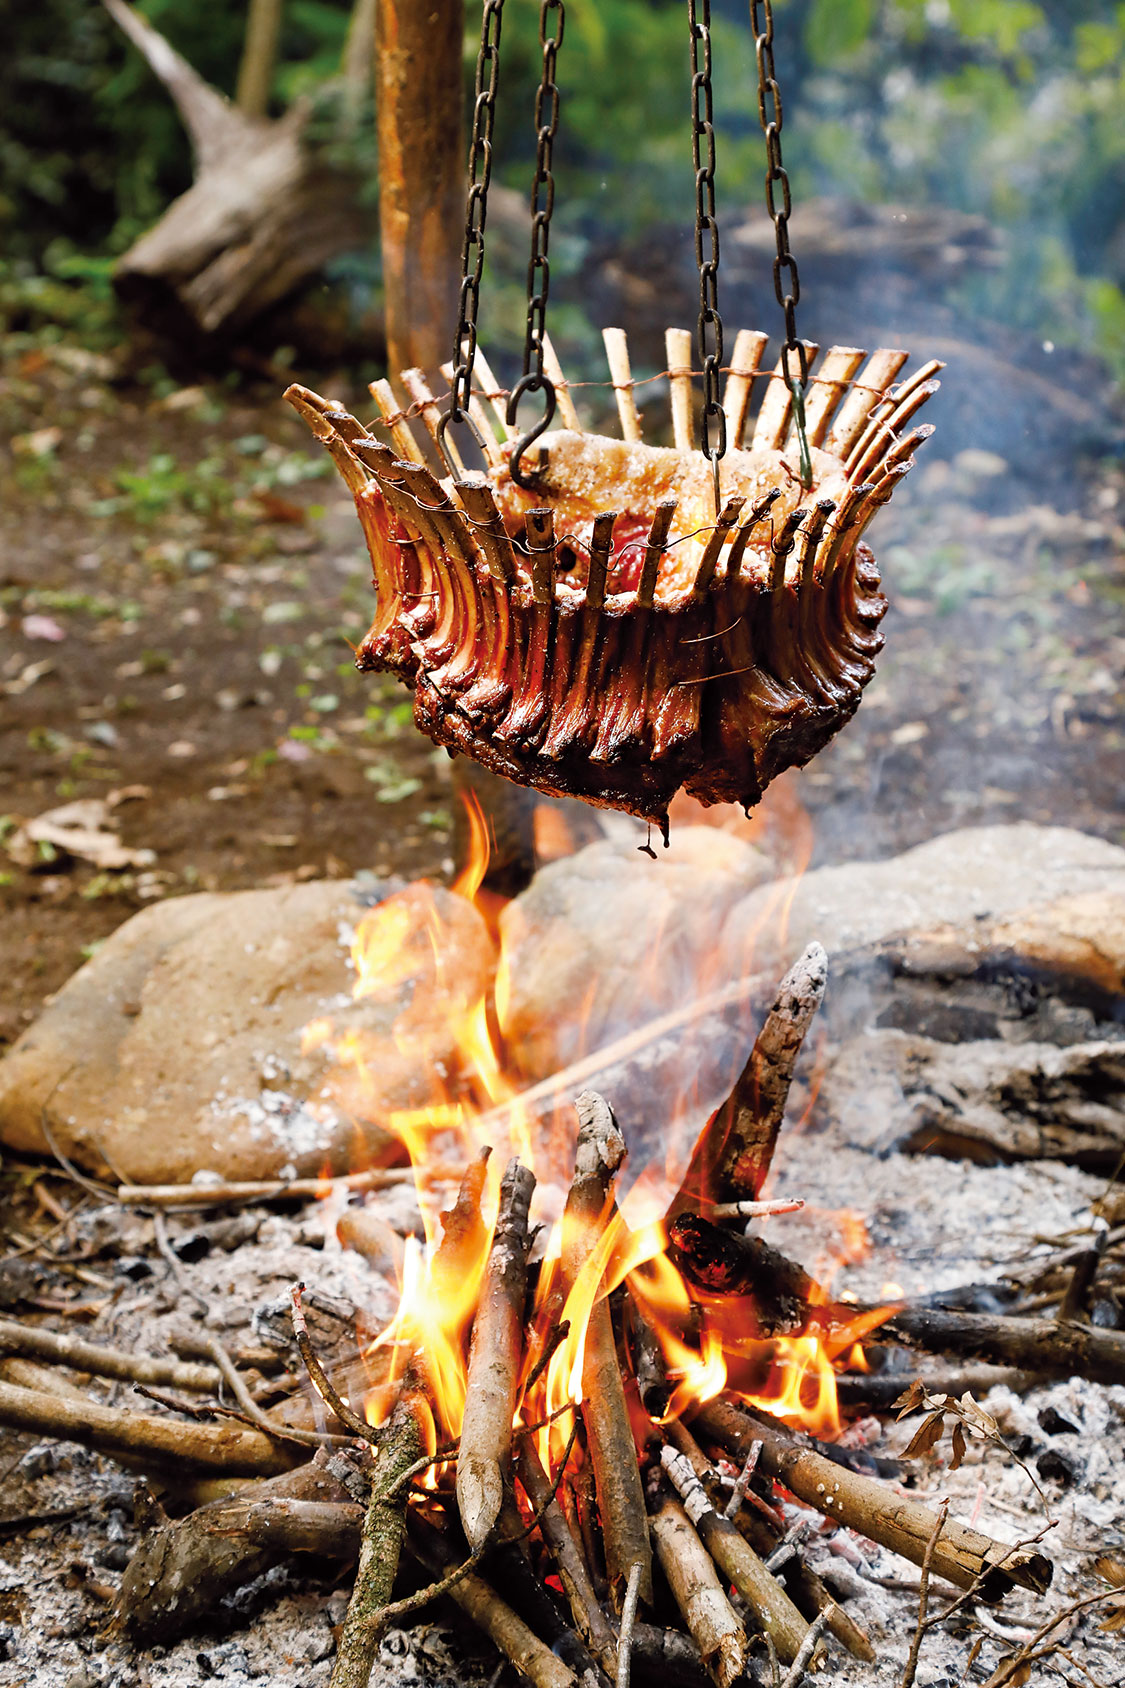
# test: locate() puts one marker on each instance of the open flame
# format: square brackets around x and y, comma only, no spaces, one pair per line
[705,1344]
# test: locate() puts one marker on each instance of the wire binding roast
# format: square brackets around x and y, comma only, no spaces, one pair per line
[608,634]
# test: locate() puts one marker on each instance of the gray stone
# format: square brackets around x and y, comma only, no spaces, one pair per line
[606,939]
[204,1035]
[974,878]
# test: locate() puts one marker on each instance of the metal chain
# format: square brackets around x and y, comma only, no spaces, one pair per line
[542,205]
[476,211]
[707,236]
[786,281]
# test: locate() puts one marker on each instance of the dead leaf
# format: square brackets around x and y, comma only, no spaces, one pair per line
[959,1445]
[911,1399]
[926,1438]
[80,829]
[1110,1571]
[977,1417]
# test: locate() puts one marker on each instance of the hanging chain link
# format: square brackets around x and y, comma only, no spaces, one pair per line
[707,236]
[551,30]
[786,281]
[476,211]
[543,188]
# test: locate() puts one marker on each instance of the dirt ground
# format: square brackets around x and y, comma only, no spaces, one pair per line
[181,575]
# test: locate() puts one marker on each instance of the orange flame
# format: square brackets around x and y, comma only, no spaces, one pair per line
[445,1020]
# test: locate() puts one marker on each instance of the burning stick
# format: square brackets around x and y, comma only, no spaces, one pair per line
[380,1543]
[735,1149]
[599,1153]
[485,1456]
[720,1262]
[735,1557]
[904,1526]
[691,1576]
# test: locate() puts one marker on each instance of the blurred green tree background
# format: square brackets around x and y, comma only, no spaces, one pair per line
[1007,108]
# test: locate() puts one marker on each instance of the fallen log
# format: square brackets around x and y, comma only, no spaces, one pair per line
[264,214]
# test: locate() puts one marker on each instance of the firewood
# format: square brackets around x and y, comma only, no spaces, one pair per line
[1045,1347]
[167,1442]
[668,1657]
[733,1155]
[694,1582]
[877,1390]
[504,1628]
[599,1152]
[462,1228]
[380,1542]
[484,1458]
[380,1244]
[589,1618]
[721,1262]
[183,1567]
[862,1503]
[685,1464]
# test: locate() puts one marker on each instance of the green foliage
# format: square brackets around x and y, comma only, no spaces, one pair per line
[1008,108]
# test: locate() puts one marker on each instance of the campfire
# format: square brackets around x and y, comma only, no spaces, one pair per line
[585,1413]
[601,1411]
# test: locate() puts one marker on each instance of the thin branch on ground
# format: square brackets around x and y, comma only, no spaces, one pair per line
[910,1669]
[320,1381]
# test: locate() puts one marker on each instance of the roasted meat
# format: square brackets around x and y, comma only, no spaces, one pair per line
[608,635]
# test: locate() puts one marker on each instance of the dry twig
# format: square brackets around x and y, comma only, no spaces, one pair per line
[910,1669]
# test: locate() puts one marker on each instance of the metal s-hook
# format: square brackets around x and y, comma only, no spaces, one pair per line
[535,381]
[456,414]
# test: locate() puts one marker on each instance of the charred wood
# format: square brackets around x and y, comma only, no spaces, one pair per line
[1045,1347]
[735,1149]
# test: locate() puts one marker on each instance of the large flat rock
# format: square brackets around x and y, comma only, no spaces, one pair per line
[608,938]
[206,1034]
[1053,889]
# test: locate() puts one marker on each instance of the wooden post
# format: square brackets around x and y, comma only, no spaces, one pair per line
[259,57]
[418,101]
